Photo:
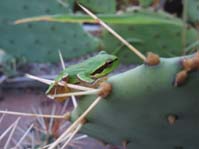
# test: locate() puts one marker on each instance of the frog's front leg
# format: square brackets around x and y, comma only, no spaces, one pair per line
[85,78]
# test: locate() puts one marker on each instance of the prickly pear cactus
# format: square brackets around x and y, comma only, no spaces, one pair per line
[40,41]
[146,109]
[193,10]
[147,30]
[100,6]
[157,32]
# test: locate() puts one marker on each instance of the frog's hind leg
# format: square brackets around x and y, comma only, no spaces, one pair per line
[61,90]
[56,88]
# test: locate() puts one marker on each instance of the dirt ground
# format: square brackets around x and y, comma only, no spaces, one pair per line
[25,100]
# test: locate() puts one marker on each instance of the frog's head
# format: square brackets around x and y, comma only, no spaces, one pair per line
[104,64]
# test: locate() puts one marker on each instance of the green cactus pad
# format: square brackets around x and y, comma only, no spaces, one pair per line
[100,6]
[40,42]
[193,10]
[138,107]
[158,32]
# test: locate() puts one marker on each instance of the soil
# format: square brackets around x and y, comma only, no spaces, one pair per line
[24,100]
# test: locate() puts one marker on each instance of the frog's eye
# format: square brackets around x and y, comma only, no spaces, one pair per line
[109,63]
[102,52]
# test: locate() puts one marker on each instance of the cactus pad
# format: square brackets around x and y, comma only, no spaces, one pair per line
[146,109]
[41,39]
[100,6]
[193,10]
[158,32]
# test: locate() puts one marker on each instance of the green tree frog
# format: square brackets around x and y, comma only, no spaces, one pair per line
[87,72]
